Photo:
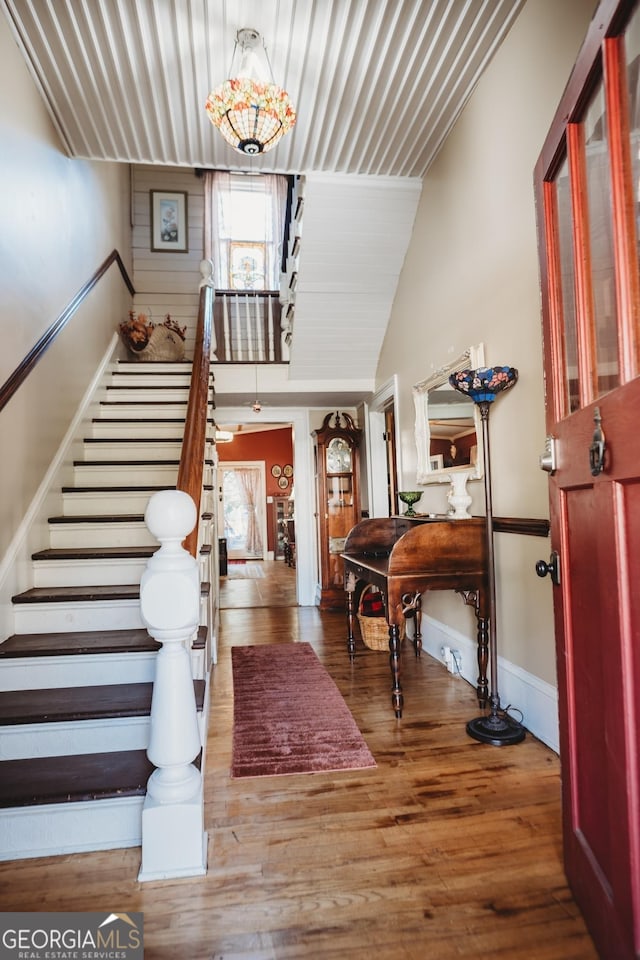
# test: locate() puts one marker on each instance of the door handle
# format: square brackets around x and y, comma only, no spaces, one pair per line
[597,448]
[552,568]
[548,459]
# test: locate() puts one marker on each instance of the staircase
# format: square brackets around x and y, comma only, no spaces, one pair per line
[76,677]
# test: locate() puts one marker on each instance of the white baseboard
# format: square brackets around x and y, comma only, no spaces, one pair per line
[536,699]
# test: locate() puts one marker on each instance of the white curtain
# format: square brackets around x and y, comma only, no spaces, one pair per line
[249,483]
[221,191]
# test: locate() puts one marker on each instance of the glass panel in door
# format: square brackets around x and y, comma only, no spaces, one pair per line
[601,245]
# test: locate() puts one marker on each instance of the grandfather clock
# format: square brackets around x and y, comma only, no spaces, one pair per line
[338,500]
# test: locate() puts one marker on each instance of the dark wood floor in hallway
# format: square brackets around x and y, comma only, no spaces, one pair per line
[447,849]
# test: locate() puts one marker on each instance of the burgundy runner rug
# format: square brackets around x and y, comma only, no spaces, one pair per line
[289,716]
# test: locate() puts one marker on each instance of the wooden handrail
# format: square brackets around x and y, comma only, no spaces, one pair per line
[528,526]
[190,472]
[23,370]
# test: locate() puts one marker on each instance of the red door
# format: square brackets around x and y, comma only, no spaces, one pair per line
[588,190]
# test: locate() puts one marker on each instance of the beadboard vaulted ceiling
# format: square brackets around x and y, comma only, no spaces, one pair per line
[377,85]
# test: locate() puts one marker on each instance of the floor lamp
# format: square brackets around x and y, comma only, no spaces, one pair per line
[483,386]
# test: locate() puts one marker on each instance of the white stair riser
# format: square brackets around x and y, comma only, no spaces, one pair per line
[76,573]
[147,450]
[42,673]
[57,828]
[161,429]
[118,503]
[19,742]
[73,738]
[148,394]
[152,368]
[91,615]
[152,378]
[133,411]
[106,534]
[108,475]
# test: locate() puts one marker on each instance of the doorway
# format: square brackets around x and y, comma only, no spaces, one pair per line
[586,192]
[242,516]
[297,418]
[383,450]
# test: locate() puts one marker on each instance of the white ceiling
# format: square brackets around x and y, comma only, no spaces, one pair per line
[377,85]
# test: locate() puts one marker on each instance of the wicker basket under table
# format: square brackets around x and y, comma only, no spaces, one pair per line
[375,630]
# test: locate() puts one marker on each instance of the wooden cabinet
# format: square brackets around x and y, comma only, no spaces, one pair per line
[282,511]
[337,471]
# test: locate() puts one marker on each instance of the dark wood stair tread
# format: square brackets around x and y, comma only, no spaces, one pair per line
[78,643]
[117,591]
[68,704]
[138,440]
[85,642]
[143,387]
[125,463]
[103,553]
[94,553]
[136,420]
[127,489]
[85,593]
[92,776]
[99,518]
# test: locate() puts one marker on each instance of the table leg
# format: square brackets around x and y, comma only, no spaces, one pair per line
[394,660]
[412,610]
[477,600]
[417,642]
[483,658]
[351,643]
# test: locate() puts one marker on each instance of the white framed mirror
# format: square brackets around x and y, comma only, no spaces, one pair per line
[447,426]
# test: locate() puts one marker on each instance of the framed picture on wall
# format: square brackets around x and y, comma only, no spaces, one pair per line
[169,222]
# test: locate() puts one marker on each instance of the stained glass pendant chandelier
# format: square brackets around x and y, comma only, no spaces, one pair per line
[251,112]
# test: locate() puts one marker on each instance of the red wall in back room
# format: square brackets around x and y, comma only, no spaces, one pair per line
[275,447]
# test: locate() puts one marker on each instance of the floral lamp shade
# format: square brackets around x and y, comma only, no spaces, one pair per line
[483,385]
[251,111]
[252,117]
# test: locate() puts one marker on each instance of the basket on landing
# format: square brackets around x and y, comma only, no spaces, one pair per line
[374,628]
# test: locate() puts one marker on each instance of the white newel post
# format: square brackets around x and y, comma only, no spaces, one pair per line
[174,843]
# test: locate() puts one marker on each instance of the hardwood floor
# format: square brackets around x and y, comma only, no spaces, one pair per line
[447,849]
[276,589]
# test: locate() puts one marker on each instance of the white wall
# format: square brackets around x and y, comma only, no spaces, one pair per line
[470,276]
[167,282]
[61,218]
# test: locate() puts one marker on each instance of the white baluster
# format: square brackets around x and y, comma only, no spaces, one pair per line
[259,334]
[174,843]
[225,322]
[247,314]
[272,349]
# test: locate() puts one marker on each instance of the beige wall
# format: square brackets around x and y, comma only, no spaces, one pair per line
[60,220]
[471,276]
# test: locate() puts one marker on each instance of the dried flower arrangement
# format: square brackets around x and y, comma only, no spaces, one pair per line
[149,341]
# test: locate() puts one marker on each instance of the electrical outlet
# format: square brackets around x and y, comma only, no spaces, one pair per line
[445,653]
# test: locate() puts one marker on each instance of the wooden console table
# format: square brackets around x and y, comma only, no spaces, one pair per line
[404,558]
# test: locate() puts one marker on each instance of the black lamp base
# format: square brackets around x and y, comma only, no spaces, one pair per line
[497,730]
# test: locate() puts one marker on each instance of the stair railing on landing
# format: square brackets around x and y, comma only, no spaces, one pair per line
[248,327]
